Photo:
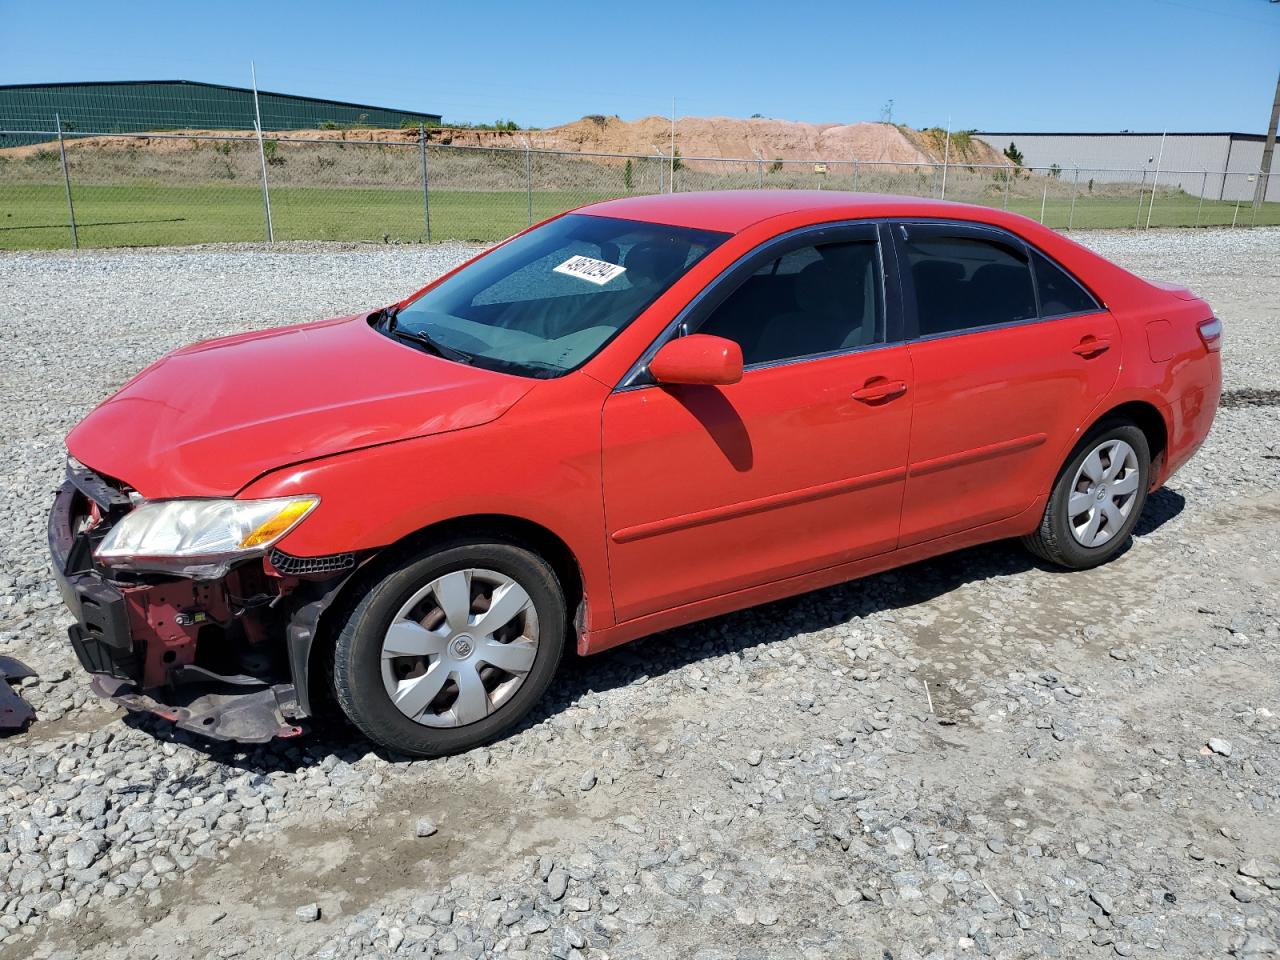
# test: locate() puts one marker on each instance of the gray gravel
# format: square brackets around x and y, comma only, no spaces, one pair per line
[974,756]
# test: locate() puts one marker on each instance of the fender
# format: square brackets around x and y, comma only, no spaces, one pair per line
[379,496]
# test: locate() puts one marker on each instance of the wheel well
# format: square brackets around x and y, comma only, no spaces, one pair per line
[1146,418]
[525,533]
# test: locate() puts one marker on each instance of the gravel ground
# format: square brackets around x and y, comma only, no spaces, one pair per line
[973,756]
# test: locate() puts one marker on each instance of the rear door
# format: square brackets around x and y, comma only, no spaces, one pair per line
[798,466]
[1010,356]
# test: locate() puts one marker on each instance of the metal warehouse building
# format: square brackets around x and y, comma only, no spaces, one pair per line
[1195,162]
[141,105]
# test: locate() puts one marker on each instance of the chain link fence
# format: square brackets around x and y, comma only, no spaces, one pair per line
[102,190]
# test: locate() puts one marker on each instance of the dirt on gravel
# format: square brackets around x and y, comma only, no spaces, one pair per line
[974,756]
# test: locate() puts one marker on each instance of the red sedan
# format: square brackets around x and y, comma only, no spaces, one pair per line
[635,415]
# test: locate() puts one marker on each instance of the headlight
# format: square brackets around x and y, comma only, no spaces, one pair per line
[202,529]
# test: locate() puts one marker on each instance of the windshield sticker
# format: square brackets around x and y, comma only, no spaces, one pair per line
[594,271]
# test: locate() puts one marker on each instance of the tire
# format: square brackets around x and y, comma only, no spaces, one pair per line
[1064,539]
[446,643]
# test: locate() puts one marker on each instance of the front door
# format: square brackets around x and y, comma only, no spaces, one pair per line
[797,467]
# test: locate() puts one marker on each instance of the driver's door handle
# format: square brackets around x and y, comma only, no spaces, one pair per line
[880,390]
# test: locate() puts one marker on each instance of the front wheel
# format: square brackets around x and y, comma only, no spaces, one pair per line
[451,649]
[1096,500]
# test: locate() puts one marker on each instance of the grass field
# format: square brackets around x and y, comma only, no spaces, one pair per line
[34,216]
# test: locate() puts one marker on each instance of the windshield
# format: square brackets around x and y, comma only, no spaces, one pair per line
[546,302]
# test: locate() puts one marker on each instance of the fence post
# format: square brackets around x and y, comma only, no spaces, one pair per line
[262,155]
[855,176]
[528,181]
[1204,184]
[1142,188]
[426,193]
[946,155]
[1044,198]
[1075,185]
[66,179]
[1008,176]
[760,170]
[1151,205]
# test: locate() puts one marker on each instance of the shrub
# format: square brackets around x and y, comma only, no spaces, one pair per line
[1014,154]
[627,174]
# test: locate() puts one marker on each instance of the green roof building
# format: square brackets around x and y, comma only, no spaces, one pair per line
[27,110]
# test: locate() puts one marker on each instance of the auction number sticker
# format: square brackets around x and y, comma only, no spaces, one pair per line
[594,271]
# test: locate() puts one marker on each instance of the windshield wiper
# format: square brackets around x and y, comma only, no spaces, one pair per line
[392,327]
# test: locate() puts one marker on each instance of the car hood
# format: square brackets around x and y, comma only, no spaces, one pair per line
[208,419]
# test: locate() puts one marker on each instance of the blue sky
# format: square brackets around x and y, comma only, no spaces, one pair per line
[1030,65]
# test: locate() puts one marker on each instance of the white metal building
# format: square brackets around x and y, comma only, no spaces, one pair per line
[1218,166]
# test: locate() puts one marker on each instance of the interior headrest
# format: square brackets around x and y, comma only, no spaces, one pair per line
[817,288]
[653,261]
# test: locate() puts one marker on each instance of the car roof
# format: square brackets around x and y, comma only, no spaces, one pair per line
[731,211]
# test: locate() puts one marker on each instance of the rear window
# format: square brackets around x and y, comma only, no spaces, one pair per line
[547,301]
[963,282]
[1060,294]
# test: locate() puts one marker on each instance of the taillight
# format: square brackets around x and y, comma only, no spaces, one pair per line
[1211,333]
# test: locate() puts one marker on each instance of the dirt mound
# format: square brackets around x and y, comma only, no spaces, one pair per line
[709,137]
[762,138]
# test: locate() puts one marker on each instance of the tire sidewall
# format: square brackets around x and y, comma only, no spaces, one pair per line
[1078,555]
[358,652]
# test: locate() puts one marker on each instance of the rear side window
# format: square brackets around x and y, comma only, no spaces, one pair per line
[1060,293]
[813,300]
[963,281]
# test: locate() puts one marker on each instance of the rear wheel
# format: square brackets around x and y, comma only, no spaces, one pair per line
[451,649]
[1096,500]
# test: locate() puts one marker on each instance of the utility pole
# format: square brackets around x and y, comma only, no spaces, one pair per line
[1268,151]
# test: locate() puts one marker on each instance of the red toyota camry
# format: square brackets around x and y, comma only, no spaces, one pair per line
[639,414]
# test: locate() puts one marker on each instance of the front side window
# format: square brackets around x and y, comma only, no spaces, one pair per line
[963,281]
[547,301]
[813,300]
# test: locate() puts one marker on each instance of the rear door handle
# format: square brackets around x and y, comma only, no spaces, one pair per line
[880,389]
[1091,347]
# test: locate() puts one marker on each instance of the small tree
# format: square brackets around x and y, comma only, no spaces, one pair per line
[1013,153]
[627,175]
[675,161]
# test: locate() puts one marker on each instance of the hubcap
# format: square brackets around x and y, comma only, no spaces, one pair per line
[459,648]
[1103,493]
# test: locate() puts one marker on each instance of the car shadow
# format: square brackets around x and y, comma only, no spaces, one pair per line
[670,650]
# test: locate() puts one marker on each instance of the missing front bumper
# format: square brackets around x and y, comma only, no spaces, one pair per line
[209,709]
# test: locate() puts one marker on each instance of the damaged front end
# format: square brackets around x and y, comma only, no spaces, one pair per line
[221,649]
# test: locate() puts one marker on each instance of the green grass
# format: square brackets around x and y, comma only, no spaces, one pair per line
[34,216]
[1179,210]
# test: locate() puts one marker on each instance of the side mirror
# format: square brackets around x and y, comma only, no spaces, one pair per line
[697,359]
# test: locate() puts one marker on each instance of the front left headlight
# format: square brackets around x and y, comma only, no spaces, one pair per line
[201,530]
